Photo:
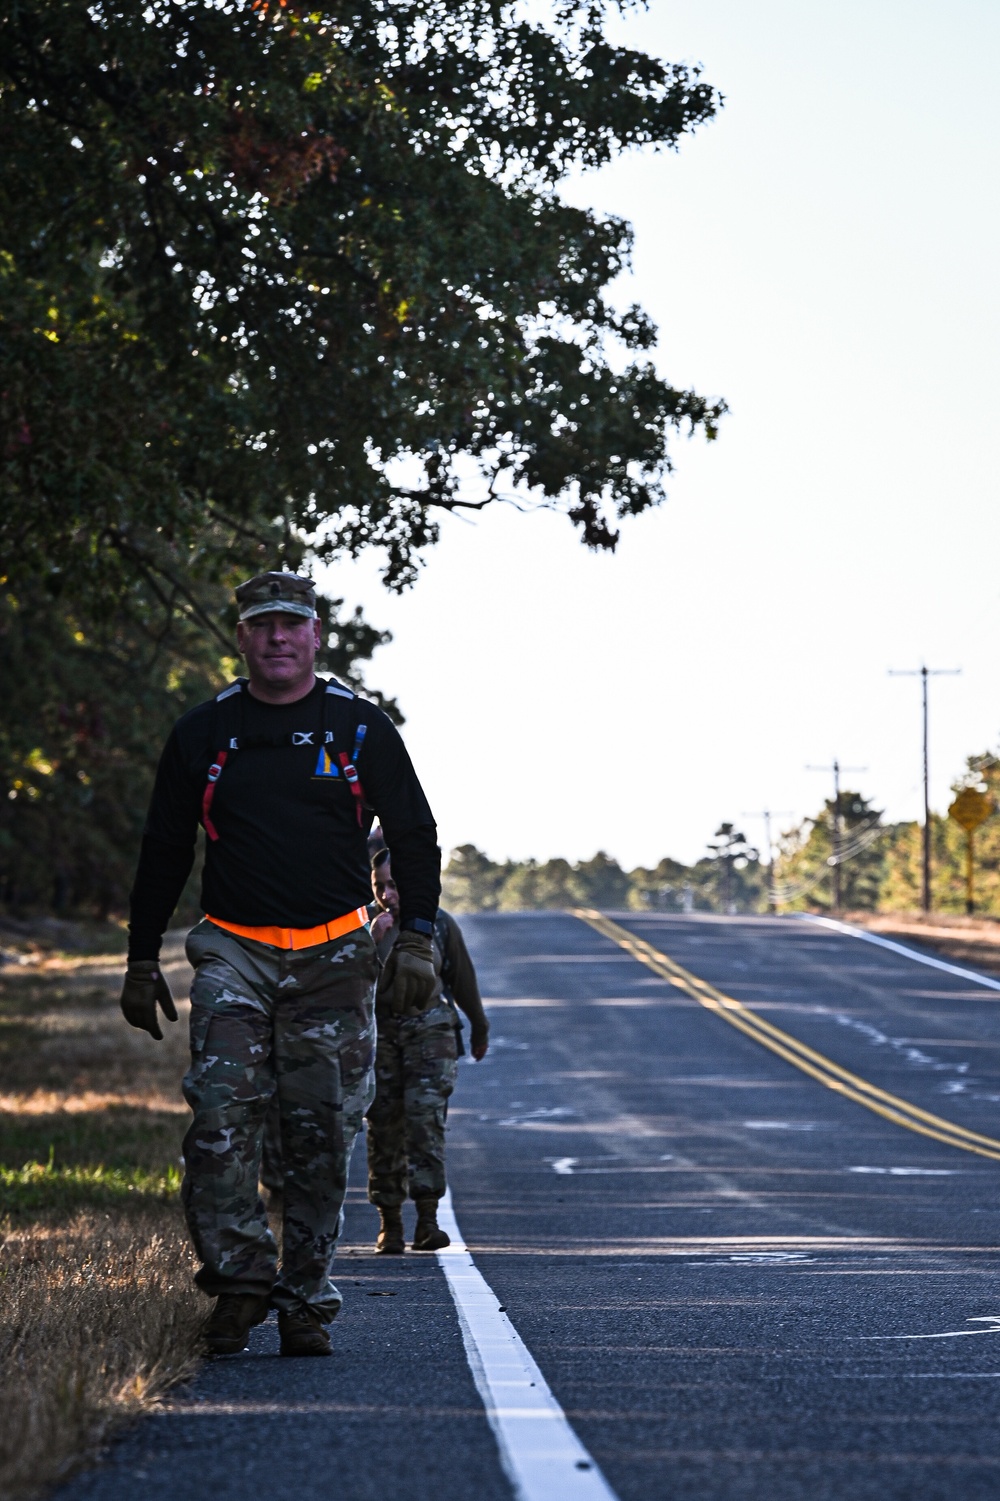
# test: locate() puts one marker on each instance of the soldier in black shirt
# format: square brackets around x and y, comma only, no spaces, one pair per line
[284,772]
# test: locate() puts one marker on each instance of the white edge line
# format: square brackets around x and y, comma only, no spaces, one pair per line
[899,948]
[541,1455]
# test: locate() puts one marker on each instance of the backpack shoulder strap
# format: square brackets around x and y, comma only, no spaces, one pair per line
[442,937]
[227,723]
[347,758]
[228,707]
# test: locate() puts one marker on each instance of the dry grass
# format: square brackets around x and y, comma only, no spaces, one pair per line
[974,941]
[98,1315]
[99,1318]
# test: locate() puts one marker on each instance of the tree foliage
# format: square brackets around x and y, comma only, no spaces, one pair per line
[902,884]
[474,883]
[736,860]
[804,871]
[881,867]
[280,283]
[265,262]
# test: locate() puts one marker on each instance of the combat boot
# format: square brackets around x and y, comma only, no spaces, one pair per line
[390,1237]
[227,1328]
[428,1236]
[302,1332]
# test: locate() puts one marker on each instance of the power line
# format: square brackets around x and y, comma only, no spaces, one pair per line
[862,838]
[835,861]
[786,892]
[923,672]
[767,814]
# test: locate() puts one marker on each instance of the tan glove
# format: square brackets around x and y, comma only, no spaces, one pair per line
[144,986]
[409,980]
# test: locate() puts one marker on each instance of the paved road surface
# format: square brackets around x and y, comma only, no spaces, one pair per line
[737,1283]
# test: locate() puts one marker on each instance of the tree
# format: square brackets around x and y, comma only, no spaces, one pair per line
[530,885]
[266,262]
[736,863]
[804,867]
[272,280]
[659,887]
[902,880]
[600,882]
[471,882]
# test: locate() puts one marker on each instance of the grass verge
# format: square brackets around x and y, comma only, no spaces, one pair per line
[98,1314]
[972,941]
[98,1319]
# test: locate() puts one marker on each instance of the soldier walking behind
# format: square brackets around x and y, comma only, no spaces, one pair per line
[283,770]
[415,1068]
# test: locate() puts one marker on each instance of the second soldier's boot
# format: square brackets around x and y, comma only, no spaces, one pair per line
[227,1328]
[428,1236]
[390,1236]
[302,1332]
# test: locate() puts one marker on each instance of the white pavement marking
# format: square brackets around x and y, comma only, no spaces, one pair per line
[987,1318]
[541,1455]
[909,1172]
[925,1376]
[899,948]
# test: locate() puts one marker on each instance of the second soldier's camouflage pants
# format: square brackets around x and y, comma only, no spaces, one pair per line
[263,1021]
[415,1068]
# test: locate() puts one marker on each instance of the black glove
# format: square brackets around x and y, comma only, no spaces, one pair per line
[144,986]
[409,980]
[480,1042]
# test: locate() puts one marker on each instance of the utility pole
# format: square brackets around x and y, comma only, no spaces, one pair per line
[836,768]
[767,814]
[923,673]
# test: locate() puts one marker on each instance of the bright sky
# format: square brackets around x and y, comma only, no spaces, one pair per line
[824,256]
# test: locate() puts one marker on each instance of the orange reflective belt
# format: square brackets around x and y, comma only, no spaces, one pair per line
[297,938]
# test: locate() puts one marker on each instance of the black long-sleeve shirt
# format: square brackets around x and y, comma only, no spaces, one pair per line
[290,851]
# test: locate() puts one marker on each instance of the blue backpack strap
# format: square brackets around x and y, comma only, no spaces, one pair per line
[347,762]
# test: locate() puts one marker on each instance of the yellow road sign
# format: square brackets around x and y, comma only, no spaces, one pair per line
[971,808]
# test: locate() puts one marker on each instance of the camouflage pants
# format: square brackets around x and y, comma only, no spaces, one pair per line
[415,1067]
[266,1021]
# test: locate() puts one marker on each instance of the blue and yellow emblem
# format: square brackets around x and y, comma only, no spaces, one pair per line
[324,766]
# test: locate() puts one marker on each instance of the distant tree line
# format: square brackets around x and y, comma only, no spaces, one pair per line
[880,868]
[728,878]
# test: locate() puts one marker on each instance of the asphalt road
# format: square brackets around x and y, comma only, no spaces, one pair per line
[737,1283]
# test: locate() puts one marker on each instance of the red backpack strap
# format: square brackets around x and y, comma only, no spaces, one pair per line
[347,761]
[351,778]
[214,773]
[351,773]
[223,714]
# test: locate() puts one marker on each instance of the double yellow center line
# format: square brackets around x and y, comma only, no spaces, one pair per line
[816,1065]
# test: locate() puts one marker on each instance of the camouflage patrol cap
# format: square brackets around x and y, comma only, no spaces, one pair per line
[277,591]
